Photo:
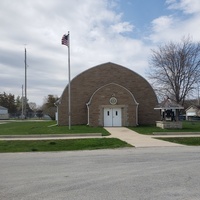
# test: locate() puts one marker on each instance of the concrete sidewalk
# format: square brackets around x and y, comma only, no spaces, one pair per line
[122,133]
[137,140]
[51,136]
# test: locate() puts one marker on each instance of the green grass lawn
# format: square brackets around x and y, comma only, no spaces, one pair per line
[45,127]
[192,141]
[61,145]
[187,127]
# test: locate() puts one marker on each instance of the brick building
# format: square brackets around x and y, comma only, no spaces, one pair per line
[109,95]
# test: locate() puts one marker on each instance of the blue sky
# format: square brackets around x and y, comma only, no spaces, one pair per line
[119,31]
[142,12]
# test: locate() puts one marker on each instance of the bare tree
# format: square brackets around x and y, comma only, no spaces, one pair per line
[32,106]
[49,107]
[175,69]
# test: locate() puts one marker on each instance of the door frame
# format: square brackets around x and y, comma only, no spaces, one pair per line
[115,116]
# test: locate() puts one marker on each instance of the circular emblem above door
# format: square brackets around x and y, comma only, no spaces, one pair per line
[113,100]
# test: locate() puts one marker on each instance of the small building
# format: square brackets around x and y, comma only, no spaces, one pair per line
[3,113]
[193,112]
[108,95]
[169,114]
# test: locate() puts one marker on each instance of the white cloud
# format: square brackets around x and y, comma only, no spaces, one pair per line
[95,38]
[162,23]
[187,6]
[174,26]
[97,35]
[122,27]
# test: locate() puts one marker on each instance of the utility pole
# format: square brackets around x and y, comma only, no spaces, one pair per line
[22,101]
[25,86]
[198,93]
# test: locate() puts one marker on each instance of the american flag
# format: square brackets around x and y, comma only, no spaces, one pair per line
[65,40]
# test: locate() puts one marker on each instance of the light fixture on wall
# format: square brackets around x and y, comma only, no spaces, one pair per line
[113,101]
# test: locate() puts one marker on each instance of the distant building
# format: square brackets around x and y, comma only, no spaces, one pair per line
[109,95]
[193,112]
[3,113]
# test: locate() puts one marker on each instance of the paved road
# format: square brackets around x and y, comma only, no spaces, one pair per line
[166,173]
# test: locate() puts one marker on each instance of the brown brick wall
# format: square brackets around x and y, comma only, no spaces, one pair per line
[101,100]
[86,83]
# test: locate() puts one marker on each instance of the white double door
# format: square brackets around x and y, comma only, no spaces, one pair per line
[112,117]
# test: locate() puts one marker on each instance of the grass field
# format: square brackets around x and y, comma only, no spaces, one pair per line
[61,145]
[187,127]
[192,141]
[45,127]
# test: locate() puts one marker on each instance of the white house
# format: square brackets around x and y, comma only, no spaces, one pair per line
[3,113]
[192,111]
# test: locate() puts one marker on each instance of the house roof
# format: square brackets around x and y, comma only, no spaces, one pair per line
[3,108]
[194,106]
[168,104]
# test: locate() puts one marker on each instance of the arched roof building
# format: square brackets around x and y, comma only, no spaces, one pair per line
[109,95]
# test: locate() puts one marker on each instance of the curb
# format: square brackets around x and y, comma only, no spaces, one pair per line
[51,135]
[176,133]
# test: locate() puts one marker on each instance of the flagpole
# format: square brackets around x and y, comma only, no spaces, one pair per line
[66,41]
[69,86]
[25,86]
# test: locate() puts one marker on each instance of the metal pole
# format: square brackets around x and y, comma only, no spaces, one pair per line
[198,94]
[25,85]
[69,87]
[22,102]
